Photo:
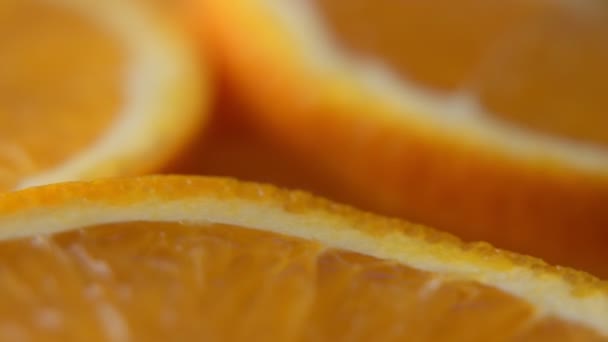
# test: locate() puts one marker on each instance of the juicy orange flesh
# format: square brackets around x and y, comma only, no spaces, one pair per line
[159,281]
[60,85]
[540,65]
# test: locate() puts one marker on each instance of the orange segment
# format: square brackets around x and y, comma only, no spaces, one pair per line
[538,64]
[89,90]
[191,258]
[60,76]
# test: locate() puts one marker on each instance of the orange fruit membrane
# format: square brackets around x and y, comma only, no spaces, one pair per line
[93,89]
[192,258]
[487,119]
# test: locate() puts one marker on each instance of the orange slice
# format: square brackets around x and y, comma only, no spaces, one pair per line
[93,89]
[486,119]
[187,258]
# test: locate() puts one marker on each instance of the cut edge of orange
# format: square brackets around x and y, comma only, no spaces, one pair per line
[304,44]
[166,98]
[568,294]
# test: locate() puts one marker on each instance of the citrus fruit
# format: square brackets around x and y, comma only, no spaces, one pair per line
[187,258]
[93,89]
[483,118]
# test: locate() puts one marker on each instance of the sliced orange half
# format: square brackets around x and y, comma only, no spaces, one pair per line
[93,89]
[485,118]
[187,258]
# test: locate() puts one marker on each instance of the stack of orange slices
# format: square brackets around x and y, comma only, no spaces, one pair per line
[482,118]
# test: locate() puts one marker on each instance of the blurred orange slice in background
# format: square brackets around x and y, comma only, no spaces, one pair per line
[192,258]
[488,119]
[93,89]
